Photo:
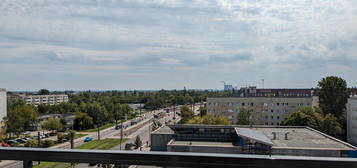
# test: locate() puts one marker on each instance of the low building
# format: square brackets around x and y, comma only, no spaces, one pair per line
[44,99]
[352,120]
[235,139]
[263,110]
[3,104]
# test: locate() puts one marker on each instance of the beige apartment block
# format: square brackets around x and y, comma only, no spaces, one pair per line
[45,99]
[352,120]
[263,110]
[3,104]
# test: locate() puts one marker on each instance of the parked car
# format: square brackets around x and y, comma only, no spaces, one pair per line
[87,139]
[118,127]
[11,142]
[5,145]
[21,140]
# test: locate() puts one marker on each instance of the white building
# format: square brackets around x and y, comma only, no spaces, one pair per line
[263,110]
[3,104]
[45,99]
[352,120]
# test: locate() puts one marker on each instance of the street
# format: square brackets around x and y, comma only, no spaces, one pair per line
[130,132]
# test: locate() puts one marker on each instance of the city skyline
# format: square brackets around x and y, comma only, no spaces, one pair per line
[169,44]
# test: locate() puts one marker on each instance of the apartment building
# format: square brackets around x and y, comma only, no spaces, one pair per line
[352,120]
[3,104]
[44,99]
[263,110]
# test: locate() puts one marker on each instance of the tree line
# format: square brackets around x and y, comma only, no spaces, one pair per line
[93,109]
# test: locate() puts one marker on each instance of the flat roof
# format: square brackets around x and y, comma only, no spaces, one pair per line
[200,143]
[163,130]
[303,138]
[299,137]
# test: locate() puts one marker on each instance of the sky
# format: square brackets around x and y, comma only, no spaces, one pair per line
[171,44]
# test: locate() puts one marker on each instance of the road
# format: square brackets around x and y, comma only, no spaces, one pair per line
[130,132]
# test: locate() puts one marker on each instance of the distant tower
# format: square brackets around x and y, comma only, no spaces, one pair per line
[263,83]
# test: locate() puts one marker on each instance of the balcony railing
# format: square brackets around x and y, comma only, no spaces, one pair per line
[176,159]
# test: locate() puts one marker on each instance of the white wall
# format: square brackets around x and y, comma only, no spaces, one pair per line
[352,121]
[3,104]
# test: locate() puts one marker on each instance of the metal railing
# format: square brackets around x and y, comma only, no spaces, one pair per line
[176,159]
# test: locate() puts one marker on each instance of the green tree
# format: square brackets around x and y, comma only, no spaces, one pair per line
[333,95]
[53,124]
[83,121]
[138,143]
[209,120]
[203,111]
[186,114]
[43,92]
[243,117]
[314,119]
[19,117]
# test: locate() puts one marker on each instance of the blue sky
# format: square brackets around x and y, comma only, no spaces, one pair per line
[154,44]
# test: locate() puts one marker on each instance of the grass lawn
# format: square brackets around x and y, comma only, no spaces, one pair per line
[104,144]
[79,136]
[108,125]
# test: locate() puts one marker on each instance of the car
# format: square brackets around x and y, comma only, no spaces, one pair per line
[21,140]
[118,127]
[92,164]
[27,138]
[5,145]
[11,142]
[87,139]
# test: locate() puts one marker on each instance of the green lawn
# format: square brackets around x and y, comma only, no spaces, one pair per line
[104,144]
[79,136]
[108,125]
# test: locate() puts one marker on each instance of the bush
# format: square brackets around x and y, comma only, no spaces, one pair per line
[61,137]
[47,143]
[31,143]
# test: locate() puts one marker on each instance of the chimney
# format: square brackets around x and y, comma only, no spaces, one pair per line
[274,135]
[286,135]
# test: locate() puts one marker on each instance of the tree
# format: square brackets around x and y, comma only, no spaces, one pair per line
[186,114]
[20,115]
[209,120]
[53,124]
[315,119]
[333,95]
[203,111]
[43,92]
[243,117]
[83,121]
[138,143]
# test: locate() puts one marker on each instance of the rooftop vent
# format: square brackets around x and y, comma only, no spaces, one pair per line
[286,135]
[274,135]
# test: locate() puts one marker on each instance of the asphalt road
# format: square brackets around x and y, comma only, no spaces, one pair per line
[141,129]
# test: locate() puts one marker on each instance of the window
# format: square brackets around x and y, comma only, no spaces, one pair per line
[243,104]
[272,111]
[278,117]
[272,117]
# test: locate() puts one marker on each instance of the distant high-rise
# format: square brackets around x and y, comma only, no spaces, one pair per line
[352,120]
[3,104]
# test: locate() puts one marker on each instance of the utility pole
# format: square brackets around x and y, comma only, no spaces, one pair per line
[121,130]
[98,132]
[38,139]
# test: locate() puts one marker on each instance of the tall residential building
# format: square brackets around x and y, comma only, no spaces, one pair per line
[263,110]
[352,120]
[3,104]
[44,99]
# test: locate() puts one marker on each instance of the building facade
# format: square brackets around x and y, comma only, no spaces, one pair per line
[352,120]
[3,104]
[44,99]
[263,110]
